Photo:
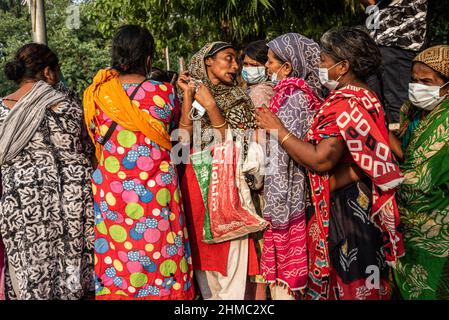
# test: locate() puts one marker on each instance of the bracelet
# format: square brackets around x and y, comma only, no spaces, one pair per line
[220,126]
[185,125]
[288,136]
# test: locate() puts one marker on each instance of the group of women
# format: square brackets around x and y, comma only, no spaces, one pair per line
[93,200]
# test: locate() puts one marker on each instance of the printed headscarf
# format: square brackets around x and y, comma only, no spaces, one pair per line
[304,56]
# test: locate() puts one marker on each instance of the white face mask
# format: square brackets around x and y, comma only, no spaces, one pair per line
[253,75]
[425,97]
[274,76]
[323,73]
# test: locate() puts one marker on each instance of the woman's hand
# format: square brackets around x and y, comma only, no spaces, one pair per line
[185,83]
[205,98]
[265,119]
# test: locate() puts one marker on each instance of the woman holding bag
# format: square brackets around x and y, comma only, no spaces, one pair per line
[221,269]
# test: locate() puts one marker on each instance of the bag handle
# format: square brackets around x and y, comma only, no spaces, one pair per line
[113,126]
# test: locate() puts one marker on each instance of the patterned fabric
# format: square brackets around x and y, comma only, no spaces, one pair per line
[141,246]
[239,112]
[23,120]
[423,199]
[302,53]
[402,23]
[46,210]
[355,246]
[437,58]
[286,87]
[284,257]
[106,93]
[2,265]
[354,115]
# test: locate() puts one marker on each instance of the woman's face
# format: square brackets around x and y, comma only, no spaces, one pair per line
[273,65]
[423,74]
[327,62]
[223,67]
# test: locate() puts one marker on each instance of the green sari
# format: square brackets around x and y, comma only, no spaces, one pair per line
[423,199]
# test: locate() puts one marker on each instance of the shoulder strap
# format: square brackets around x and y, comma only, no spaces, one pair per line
[111,129]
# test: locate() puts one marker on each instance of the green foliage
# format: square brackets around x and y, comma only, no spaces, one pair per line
[183,26]
[186,25]
[81,51]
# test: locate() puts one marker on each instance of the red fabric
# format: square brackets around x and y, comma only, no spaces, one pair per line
[354,115]
[207,257]
[357,290]
[253,261]
[286,87]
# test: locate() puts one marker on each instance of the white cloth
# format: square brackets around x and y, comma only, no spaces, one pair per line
[280,293]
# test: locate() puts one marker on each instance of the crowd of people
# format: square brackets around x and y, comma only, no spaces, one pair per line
[95,204]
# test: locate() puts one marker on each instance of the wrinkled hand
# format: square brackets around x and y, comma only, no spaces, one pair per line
[265,119]
[184,82]
[204,97]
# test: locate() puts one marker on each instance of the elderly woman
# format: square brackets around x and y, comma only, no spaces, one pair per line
[423,198]
[221,269]
[46,210]
[293,62]
[352,232]
[141,246]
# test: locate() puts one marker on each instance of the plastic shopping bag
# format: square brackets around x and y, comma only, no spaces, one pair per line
[231,211]
[202,165]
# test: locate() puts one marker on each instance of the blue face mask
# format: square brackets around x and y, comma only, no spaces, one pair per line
[253,75]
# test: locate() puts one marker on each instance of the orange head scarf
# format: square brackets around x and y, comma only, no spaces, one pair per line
[107,93]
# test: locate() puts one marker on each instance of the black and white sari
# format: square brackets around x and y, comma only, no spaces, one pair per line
[46,209]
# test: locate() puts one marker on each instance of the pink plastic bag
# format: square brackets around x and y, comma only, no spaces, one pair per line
[228,218]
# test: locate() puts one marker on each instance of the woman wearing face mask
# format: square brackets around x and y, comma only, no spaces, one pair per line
[46,210]
[141,246]
[221,269]
[352,234]
[423,199]
[260,88]
[293,65]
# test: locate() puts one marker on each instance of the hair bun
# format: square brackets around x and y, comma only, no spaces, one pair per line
[14,70]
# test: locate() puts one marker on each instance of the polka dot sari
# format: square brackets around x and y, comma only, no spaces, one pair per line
[141,242]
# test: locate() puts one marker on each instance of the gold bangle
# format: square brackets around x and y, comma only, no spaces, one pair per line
[288,136]
[185,125]
[220,126]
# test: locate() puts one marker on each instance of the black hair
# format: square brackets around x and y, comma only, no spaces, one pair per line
[257,50]
[160,75]
[281,61]
[131,47]
[355,45]
[30,62]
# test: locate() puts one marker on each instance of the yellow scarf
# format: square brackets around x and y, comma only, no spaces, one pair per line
[107,93]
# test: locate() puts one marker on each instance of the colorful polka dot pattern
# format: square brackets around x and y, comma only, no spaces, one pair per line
[141,245]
